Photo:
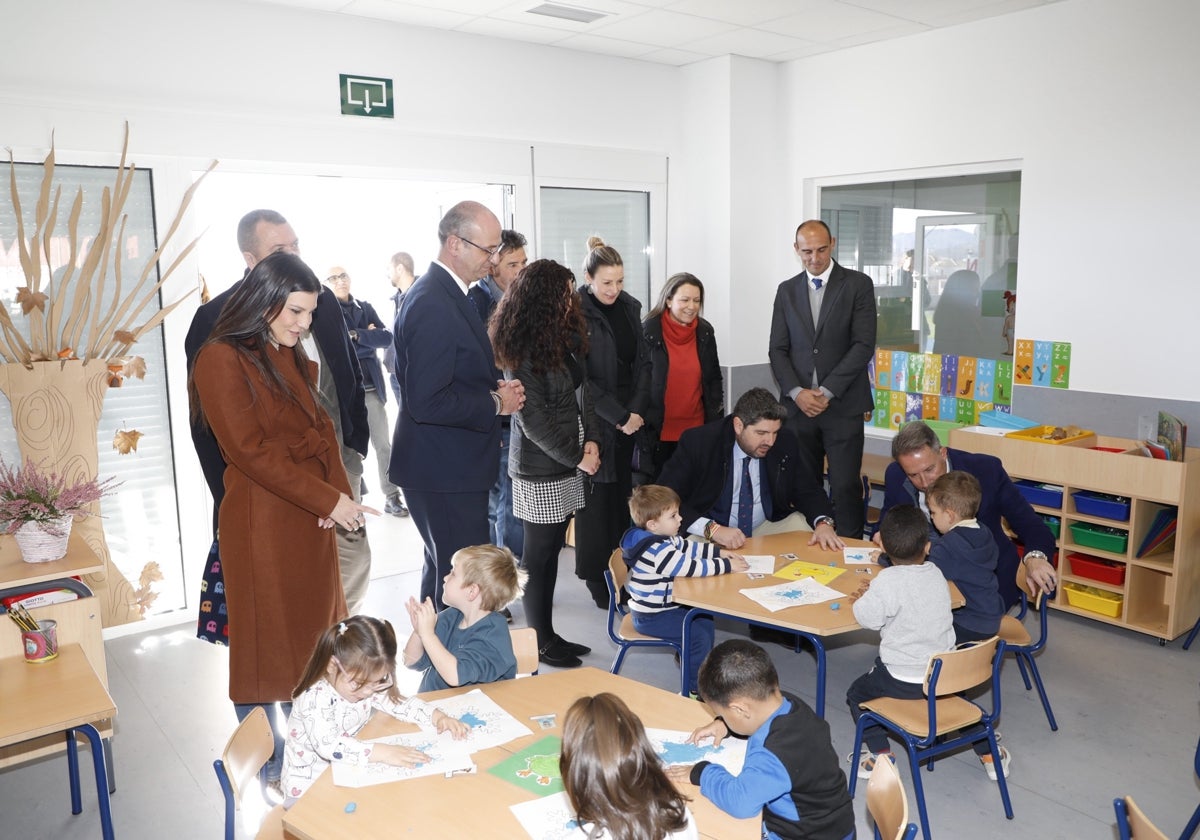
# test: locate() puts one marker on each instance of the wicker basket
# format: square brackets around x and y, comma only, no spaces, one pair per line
[39,545]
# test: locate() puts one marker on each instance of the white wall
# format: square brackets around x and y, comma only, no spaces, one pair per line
[1096,97]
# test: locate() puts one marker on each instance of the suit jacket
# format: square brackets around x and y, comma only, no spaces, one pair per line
[360,316]
[447,437]
[699,470]
[839,348]
[329,331]
[1001,500]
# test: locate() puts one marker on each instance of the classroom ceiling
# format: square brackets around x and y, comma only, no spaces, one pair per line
[680,32]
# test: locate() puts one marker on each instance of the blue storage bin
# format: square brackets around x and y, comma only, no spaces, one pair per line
[999,420]
[1102,504]
[1036,493]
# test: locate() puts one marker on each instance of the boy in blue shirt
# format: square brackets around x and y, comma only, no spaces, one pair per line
[656,555]
[791,773]
[468,642]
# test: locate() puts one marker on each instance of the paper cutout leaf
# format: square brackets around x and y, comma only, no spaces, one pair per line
[135,366]
[30,300]
[126,441]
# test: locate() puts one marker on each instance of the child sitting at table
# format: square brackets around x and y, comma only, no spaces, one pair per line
[468,642]
[616,784]
[909,604]
[791,772]
[656,556]
[351,673]
[967,554]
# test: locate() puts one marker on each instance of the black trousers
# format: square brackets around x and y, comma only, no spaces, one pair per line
[837,440]
[446,523]
[605,517]
[542,546]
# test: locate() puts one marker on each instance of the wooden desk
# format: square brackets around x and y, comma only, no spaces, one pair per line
[78,621]
[48,698]
[477,805]
[719,595]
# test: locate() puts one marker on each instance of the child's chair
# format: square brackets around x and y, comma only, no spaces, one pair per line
[525,646]
[936,725]
[620,623]
[1132,824]
[1019,642]
[888,804]
[246,752]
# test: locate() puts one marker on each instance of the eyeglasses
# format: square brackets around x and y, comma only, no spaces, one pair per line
[358,685]
[337,277]
[491,252]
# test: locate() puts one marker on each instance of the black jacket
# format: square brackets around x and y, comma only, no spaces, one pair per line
[699,470]
[602,376]
[360,317]
[712,383]
[545,432]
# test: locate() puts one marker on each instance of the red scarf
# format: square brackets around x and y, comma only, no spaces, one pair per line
[683,404]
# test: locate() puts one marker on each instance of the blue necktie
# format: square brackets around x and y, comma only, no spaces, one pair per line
[746,500]
[816,281]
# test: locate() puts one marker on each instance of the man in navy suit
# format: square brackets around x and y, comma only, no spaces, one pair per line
[446,448]
[822,338]
[920,460]
[709,467]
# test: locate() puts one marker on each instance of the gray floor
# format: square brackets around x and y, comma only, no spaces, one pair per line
[1127,712]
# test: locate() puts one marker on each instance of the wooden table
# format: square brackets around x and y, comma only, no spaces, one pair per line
[63,695]
[477,805]
[719,595]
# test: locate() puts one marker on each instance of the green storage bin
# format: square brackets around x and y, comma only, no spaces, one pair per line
[1054,524]
[1100,536]
[942,429]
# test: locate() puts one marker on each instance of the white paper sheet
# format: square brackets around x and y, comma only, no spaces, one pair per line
[760,564]
[794,593]
[549,818]
[490,725]
[443,759]
[672,748]
[859,556]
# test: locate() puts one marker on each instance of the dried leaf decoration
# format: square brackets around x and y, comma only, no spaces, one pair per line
[145,595]
[126,441]
[135,366]
[31,300]
[124,337]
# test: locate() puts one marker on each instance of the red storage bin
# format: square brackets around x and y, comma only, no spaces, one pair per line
[1096,568]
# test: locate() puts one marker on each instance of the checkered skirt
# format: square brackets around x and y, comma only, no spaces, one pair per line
[551,501]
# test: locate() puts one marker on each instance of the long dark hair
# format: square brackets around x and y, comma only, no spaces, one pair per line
[245,322]
[613,776]
[539,320]
[364,645]
[683,278]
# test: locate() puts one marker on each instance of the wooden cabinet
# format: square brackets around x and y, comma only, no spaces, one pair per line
[1159,593]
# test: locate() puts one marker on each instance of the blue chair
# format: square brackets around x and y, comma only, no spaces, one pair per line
[245,753]
[1132,824]
[888,805]
[1194,822]
[621,631]
[937,724]
[1019,642]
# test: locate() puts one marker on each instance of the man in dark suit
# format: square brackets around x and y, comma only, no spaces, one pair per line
[446,447]
[822,337]
[920,460]
[735,474]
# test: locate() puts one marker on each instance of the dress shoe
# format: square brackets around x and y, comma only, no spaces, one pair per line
[556,656]
[571,647]
[770,634]
[395,505]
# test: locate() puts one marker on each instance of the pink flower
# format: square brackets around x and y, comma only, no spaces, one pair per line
[30,494]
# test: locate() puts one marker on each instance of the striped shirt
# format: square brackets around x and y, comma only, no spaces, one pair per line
[655,561]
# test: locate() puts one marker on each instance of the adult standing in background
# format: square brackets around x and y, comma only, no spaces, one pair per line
[401,275]
[368,335]
[261,233]
[254,388]
[447,440]
[505,528]
[618,367]
[822,338]
[539,336]
[686,386]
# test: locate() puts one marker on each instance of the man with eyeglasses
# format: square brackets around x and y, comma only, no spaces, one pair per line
[920,460]
[446,449]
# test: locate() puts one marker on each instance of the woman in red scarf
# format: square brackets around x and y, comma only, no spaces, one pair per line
[686,386]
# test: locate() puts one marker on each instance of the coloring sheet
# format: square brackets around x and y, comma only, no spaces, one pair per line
[443,758]
[859,556]
[535,768]
[800,569]
[794,594]
[760,564]
[549,818]
[490,725]
[672,748]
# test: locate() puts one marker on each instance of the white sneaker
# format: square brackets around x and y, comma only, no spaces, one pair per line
[990,766]
[867,759]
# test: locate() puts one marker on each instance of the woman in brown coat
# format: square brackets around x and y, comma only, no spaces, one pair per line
[285,486]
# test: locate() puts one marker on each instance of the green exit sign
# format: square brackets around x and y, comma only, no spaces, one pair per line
[367,96]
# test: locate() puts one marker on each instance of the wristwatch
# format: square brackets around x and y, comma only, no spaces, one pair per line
[1034,553]
[821,519]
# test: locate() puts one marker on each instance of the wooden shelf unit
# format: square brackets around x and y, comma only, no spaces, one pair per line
[1161,592]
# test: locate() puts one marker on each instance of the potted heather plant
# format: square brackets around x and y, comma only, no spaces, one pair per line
[38,506]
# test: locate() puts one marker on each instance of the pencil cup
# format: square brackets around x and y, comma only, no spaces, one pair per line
[41,645]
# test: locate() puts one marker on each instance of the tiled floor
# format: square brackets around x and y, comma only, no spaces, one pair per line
[1127,712]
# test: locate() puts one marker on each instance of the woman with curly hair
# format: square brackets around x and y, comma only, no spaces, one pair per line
[538,336]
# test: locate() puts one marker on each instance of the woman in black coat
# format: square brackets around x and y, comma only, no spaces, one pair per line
[539,337]
[618,367]
[686,386]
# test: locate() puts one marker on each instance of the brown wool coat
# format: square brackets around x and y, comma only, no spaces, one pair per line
[284,472]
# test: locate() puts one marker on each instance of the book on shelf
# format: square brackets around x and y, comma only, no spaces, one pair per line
[1161,534]
[1172,435]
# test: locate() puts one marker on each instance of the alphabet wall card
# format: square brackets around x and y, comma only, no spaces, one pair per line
[930,406]
[899,370]
[966,411]
[1023,370]
[883,368]
[949,375]
[1002,389]
[985,377]
[1042,353]
[883,409]
[912,407]
[931,380]
[1060,365]
[947,408]
[916,366]
[966,377]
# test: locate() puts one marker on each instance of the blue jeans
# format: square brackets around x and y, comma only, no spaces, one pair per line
[506,530]
[669,625]
[273,769]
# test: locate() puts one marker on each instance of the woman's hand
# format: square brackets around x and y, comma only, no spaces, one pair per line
[591,458]
[347,513]
[634,423]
